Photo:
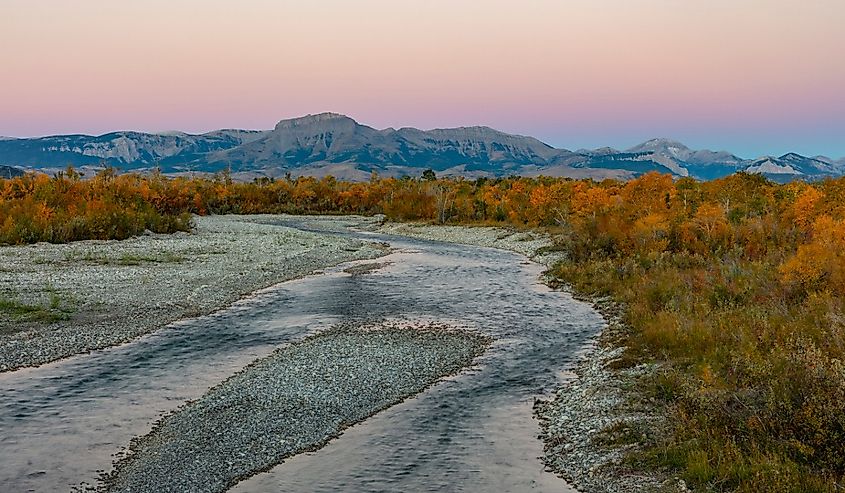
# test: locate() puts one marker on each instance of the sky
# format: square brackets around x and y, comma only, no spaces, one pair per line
[751,76]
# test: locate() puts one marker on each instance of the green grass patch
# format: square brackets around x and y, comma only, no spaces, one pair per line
[22,312]
[55,308]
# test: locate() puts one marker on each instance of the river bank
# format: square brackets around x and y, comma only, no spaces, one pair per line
[58,300]
[195,429]
[597,417]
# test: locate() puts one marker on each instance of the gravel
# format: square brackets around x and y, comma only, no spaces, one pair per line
[597,417]
[532,244]
[361,269]
[89,295]
[292,401]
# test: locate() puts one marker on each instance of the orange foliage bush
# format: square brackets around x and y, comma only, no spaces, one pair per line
[65,208]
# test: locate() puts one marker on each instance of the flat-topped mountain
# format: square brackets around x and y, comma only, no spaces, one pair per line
[319,143]
[334,144]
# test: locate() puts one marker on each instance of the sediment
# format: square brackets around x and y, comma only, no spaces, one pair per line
[292,401]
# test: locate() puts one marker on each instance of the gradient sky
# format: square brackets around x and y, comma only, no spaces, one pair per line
[752,76]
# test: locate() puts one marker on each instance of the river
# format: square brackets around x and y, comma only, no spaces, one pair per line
[61,424]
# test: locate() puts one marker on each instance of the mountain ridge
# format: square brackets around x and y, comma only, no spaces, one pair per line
[332,143]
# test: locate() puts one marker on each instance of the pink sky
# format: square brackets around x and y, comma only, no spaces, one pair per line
[753,76]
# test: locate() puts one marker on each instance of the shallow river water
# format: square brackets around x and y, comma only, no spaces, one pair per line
[61,424]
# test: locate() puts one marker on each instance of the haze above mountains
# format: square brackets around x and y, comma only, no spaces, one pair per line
[333,144]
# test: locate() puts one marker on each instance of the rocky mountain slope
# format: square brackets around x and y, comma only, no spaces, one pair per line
[10,171]
[128,150]
[793,165]
[333,144]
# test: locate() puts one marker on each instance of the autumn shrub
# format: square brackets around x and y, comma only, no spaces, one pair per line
[65,208]
[750,342]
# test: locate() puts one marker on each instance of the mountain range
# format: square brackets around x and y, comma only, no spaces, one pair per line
[334,144]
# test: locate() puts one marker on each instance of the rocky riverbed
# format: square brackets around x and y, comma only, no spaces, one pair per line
[61,300]
[295,400]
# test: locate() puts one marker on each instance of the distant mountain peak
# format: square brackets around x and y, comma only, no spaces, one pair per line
[483,132]
[792,164]
[662,142]
[600,151]
[473,128]
[326,118]
[772,166]
[319,117]
[10,171]
[668,147]
[794,157]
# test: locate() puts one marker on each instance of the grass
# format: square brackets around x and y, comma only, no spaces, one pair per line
[751,373]
[56,309]
[621,433]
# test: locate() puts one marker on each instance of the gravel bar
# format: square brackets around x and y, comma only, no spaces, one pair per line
[292,401]
[60,300]
[532,244]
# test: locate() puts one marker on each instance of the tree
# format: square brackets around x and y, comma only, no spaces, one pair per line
[804,208]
